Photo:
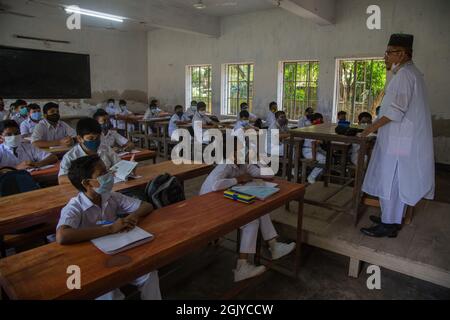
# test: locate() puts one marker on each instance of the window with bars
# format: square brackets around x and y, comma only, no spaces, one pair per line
[199,85]
[360,82]
[238,87]
[299,87]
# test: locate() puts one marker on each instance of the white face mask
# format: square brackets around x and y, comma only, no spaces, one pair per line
[202,113]
[111,104]
[13,141]
[194,108]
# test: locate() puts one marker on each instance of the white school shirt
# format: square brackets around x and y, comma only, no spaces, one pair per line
[3,115]
[189,113]
[271,146]
[105,153]
[113,138]
[27,126]
[149,114]
[270,119]
[81,212]
[45,131]
[118,110]
[197,122]
[18,118]
[303,122]
[173,120]
[25,152]
[406,143]
[224,176]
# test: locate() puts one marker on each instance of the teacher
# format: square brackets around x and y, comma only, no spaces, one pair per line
[401,170]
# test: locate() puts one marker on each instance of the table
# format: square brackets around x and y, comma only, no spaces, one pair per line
[179,229]
[58,151]
[143,154]
[44,205]
[326,132]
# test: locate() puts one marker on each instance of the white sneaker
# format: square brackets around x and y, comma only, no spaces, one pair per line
[281,249]
[311,180]
[246,270]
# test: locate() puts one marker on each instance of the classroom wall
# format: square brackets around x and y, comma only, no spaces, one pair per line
[267,37]
[118,59]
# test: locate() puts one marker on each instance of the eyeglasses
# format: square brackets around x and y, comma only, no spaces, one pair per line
[388,52]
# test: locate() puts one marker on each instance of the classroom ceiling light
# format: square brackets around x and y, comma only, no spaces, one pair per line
[199,5]
[101,15]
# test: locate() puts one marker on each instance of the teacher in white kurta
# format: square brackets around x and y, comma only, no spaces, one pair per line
[401,170]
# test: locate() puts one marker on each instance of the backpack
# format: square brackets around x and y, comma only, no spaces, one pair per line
[16,181]
[164,190]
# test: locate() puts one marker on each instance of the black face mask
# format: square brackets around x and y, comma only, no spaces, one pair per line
[53,118]
[105,127]
[180,113]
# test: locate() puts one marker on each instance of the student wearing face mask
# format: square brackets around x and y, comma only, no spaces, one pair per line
[34,116]
[96,211]
[19,111]
[192,110]
[153,111]
[200,120]
[305,121]
[120,114]
[51,131]
[89,143]
[252,117]
[312,150]
[270,118]
[18,154]
[243,122]
[178,118]
[280,124]
[110,137]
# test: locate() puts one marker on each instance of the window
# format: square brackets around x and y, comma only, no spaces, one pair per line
[198,85]
[359,83]
[238,87]
[299,85]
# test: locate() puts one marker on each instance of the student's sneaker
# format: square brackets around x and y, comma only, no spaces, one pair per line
[311,180]
[245,270]
[279,249]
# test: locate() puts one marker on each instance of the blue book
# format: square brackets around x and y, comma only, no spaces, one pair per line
[260,192]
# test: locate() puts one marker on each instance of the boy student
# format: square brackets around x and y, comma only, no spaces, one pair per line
[311,150]
[270,118]
[225,176]
[200,120]
[110,137]
[192,110]
[178,118]
[244,107]
[243,122]
[281,124]
[89,143]
[51,131]
[342,119]
[95,212]
[18,154]
[120,113]
[364,120]
[305,121]
[34,116]
[18,111]
[153,110]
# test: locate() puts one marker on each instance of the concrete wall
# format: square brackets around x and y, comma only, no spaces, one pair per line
[267,37]
[118,58]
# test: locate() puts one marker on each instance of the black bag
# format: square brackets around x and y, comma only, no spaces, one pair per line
[347,131]
[164,190]
[16,181]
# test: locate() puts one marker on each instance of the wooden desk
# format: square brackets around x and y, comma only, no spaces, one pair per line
[179,229]
[143,154]
[58,151]
[44,205]
[326,132]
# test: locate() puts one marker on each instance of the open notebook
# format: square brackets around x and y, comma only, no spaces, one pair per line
[123,169]
[259,188]
[118,242]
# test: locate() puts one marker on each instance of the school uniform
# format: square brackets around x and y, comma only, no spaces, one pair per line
[3,115]
[24,152]
[173,122]
[27,126]
[45,131]
[149,114]
[303,122]
[81,212]
[17,117]
[270,119]
[321,157]
[272,145]
[119,110]
[108,156]
[197,122]
[190,113]
[223,177]
[112,138]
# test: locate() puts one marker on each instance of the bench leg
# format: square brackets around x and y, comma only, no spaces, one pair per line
[354,267]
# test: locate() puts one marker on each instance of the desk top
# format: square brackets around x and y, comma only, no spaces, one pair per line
[29,208]
[326,132]
[180,228]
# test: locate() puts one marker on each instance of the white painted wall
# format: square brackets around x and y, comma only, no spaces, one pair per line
[266,37]
[118,59]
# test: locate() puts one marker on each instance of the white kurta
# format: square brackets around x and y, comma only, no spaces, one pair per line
[406,143]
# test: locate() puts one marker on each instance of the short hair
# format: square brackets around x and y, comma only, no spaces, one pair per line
[88,126]
[111,100]
[82,169]
[21,102]
[99,113]
[8,124]
[243,104]
[364,115]
[377,110]
[193,103]
[154,101]
[279,114]
[201,105]
[317,116]
[244,114]
[122,102]
[342,113]
[273,103]
[34,106]
[309,109]
[178,107]
[50,105]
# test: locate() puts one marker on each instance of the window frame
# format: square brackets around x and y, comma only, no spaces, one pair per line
[224,107]
[188,83]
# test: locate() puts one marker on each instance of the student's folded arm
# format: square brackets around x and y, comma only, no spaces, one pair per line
[224,184]
[51,159]
[45,144]
[68,235]
[144,210]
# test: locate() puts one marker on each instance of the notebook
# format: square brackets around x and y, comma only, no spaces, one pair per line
[118,242]
[123,169]
[260,192]
[261,183]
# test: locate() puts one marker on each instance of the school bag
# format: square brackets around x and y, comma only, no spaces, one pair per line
[15,181]
[164,190]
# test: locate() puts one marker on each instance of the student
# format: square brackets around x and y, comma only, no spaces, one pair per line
[51,131]
[178,118]
[95,212]
[270,118]
[305,121]
[200,120]
[243,122]
[244,107]
[311,150]
[342,119]
[18,154]
[19,112]
[153,111]
[110,137]
[281,124]
[225,176]
[89,143]
[192,110]
[3,113]
[364,120]
[120,113]
[34,116]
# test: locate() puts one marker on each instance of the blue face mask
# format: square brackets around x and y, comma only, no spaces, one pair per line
[245,122]
[23,111]
[36,116]
[106,183]
[92,145]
